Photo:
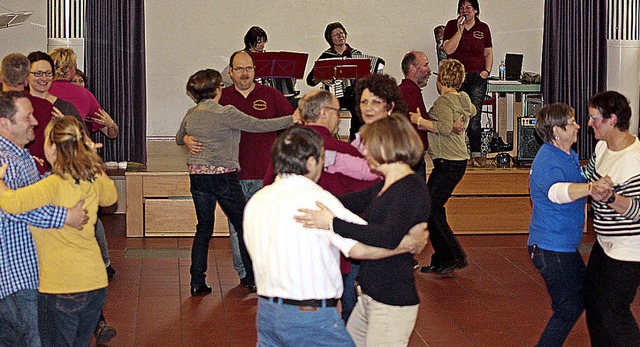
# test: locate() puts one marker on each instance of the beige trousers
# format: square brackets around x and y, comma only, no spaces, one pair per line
[373,323]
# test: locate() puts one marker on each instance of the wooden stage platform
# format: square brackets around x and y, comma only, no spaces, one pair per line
[158,200]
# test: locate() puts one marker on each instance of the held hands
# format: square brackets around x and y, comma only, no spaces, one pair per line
[316,219]
[602,189]
[77,216]
[192,144]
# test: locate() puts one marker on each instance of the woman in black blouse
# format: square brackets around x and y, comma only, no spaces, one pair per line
[388,306]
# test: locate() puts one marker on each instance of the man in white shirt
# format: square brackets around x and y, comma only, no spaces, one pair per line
[297,270]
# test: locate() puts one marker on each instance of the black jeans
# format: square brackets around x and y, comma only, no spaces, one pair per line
[207,190]
[610,287]
[443,179]
[476,87]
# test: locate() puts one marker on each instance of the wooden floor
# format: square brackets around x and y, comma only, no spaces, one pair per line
[499,300]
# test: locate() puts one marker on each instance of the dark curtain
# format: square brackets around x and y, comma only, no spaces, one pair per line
[574,59]
[115,64]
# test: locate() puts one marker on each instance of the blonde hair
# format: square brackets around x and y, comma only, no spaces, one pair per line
[73,154]
[64,59]
[392,139]
[451,73]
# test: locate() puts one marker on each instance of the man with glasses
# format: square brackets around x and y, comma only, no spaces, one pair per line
[259,101]
[297,268]
[319,110]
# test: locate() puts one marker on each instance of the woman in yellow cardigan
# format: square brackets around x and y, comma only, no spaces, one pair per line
[73,279]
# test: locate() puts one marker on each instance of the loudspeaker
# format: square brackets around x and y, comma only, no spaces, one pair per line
[528,140]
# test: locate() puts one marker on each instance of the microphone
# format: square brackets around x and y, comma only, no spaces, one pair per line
[464,19]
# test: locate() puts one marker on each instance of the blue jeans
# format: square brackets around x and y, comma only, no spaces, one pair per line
[19,319]
[207,190]
[69,319]
[349,296]
[476,87]
[610,287]
[249,187]
[287,325]
[563,272]
[442,181]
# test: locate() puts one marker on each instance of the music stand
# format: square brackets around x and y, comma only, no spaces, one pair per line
[280,64]
[341,68]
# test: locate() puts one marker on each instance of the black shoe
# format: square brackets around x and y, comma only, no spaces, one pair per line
[458,265]
[431,269]
[104,333]
[200,290]
[111,272]
[248,283]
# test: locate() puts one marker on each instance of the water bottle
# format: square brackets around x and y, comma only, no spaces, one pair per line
[502,71]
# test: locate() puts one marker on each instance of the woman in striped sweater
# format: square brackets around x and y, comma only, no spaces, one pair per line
[613,271]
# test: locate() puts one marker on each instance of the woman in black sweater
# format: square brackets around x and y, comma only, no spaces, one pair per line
[388,306]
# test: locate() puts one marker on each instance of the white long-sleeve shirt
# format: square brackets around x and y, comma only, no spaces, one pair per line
[290,261]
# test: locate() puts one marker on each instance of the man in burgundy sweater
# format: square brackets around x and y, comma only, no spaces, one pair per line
[416,70]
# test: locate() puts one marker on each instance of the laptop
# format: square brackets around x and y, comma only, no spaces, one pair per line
[513,64]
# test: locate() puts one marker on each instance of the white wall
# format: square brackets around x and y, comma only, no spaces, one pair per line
[185,37]
[29,36]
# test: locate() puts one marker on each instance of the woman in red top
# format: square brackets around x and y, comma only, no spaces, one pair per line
[468,39]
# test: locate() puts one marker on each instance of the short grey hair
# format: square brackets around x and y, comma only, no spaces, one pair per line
[311,104]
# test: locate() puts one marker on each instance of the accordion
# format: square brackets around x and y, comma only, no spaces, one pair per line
[377,66]
[377,63]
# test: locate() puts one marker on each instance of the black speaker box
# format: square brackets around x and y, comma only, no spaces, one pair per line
[528,140]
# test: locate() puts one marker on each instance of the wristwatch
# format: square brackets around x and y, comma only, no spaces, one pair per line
[611,199]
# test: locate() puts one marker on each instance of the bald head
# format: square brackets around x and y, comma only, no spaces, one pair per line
[415,67]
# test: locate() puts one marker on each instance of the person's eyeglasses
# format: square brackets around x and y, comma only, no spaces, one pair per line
[41,73]
[243,69]
[593,118]
[337,109]
[342,33]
